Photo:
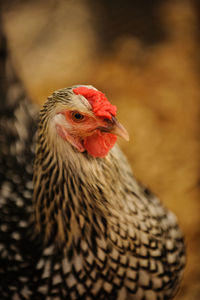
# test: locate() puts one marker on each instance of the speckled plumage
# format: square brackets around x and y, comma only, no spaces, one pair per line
[83,228]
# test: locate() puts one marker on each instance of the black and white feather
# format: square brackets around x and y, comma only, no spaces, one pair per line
[82,227]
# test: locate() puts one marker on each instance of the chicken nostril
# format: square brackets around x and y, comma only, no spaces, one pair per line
[110,121]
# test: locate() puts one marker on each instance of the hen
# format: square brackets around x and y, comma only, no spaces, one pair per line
[83,228]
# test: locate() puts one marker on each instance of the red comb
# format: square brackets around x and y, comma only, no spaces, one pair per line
[100,104]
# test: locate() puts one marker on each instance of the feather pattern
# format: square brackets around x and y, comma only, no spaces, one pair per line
[82,227]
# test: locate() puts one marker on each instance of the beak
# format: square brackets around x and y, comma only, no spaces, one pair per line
[115,127]
[119,129]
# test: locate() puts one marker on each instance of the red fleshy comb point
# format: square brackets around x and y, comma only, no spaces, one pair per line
[100,104]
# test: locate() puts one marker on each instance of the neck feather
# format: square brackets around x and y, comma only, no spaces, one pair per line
[71,189]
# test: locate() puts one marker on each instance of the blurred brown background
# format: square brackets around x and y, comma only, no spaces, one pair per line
[145,55]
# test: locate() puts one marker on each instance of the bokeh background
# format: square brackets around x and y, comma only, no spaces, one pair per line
[145,55]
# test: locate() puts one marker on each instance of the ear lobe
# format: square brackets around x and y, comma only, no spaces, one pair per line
[74,141]
[62,131]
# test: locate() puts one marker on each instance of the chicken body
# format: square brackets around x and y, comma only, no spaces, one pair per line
[82,228]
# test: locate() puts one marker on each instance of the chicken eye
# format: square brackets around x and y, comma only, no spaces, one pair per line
[77,117]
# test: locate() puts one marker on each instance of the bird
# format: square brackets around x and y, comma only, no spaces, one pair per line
[74,221]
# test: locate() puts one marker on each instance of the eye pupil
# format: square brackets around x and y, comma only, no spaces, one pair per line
[77,116]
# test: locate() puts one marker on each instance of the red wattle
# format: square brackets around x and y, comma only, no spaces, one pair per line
[100,143]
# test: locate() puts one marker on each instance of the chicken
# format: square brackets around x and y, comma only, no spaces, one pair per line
[75,223]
